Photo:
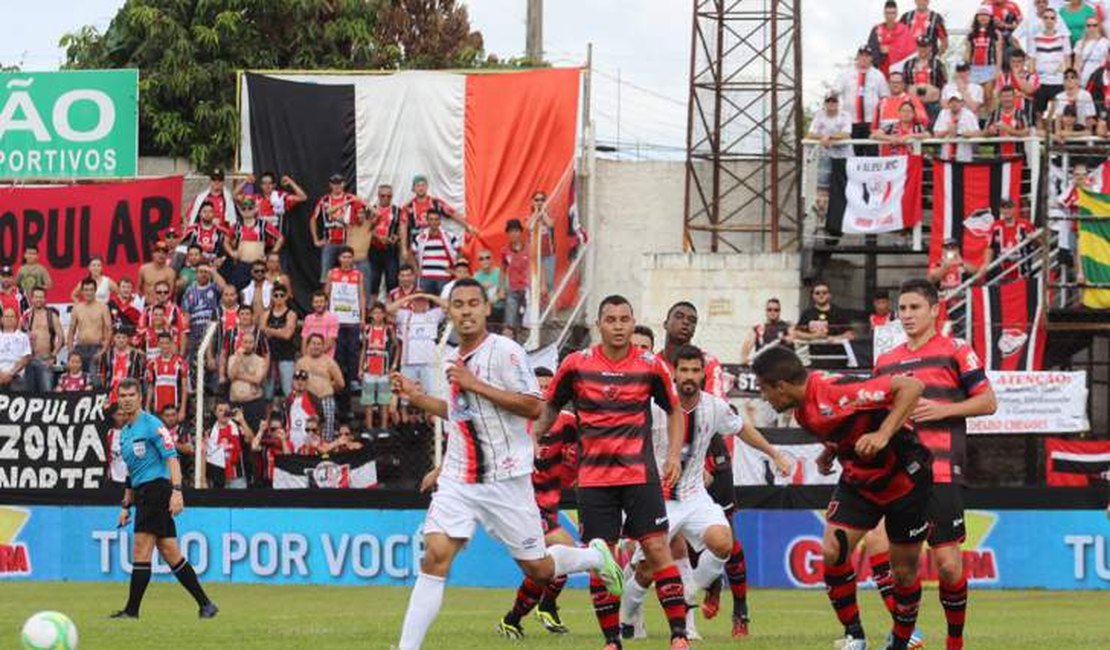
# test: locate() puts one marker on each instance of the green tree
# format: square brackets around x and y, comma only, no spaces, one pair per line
[188,53]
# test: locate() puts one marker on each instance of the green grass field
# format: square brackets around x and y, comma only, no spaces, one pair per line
[262,616]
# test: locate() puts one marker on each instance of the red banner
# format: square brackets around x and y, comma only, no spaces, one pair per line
[1076,463]
[71,224]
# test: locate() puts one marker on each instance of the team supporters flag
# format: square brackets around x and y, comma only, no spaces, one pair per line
[355,469]
[873,195]
[1007,324]
[966,198]
[1094,246]
[485,143]
[1077,463]
[70,224]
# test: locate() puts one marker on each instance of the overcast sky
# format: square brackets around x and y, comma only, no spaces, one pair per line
[646,43]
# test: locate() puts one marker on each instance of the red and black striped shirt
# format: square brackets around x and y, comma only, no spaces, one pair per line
[952,373]
[839,410]
[612,401]
[554,467]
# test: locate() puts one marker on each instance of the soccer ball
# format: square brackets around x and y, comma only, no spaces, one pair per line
[49,631]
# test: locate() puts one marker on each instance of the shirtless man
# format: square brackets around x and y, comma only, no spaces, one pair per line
[90,330]
[156,271]
[247,372]
[44,326]
[324,379]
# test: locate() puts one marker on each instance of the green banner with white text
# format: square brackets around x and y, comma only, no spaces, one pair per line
[69,125]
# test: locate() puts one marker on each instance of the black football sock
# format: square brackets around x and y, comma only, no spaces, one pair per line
[188,579]
[140,578]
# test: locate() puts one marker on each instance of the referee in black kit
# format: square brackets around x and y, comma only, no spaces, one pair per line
[154,487]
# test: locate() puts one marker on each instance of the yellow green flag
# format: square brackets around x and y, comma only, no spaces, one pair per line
[1094,246]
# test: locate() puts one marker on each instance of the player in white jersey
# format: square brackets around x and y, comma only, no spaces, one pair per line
[486,473]
[691,512]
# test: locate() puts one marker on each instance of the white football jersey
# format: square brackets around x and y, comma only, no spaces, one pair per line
[485,442]
[711,416]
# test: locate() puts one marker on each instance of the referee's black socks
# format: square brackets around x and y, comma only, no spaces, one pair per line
[188,579]
[140,578]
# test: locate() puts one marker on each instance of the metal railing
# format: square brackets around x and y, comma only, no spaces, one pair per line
[200,447]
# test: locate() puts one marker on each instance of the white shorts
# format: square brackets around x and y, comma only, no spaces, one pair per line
[506,509]
[691,518]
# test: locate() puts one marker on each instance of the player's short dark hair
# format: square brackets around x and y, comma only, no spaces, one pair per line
[688,353]
[543,371]
[644,330]
[613,300]
[681,303]
[130,383]
[468,282]
[776,364]
[921,286]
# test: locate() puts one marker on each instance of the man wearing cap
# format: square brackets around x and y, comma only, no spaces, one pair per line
[1006,234]
[829,126]
[971,93]
[1017,74]
[861,88]
[156,271]
[955,121]
[925,75]
[926,26]
[334,213]
[1074,95]
[301,406]
[220,198]
[11,296]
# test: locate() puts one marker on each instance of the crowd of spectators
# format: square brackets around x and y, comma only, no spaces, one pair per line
[1014,72]
[280,381]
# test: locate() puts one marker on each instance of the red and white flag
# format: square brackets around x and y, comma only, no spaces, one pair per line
[874,195]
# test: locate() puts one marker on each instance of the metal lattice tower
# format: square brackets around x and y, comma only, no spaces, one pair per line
[743,141]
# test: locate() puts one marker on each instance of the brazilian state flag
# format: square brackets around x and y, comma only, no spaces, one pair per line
[1094,246]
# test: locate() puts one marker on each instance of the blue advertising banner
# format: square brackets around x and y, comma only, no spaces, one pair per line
[1005,549]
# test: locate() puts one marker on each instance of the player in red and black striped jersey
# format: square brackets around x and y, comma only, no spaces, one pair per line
[885,473]
[554,469]
[956,388]
[619,494]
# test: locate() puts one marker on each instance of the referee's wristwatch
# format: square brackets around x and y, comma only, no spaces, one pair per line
[176,487]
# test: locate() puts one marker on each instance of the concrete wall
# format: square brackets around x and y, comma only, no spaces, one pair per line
[638,231]
[729,290]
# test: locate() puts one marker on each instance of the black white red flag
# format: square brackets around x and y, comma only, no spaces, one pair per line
[1007,324]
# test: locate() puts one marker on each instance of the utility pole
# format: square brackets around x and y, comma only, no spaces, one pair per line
[533,40]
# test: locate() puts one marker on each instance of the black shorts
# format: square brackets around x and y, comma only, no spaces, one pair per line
[946,515]
[152,509]
[907,519]
[613,512]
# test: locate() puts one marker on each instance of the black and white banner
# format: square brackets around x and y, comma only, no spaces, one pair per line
[752,467]
[53,442]
[355,469]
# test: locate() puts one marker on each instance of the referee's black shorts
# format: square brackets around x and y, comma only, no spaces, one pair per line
[152,509]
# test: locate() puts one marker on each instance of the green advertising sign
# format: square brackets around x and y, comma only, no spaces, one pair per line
[71,124]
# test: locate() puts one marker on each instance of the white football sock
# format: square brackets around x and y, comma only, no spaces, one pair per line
[709,569]
[687,573]
[569,559]
[632,600]
[424,604]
